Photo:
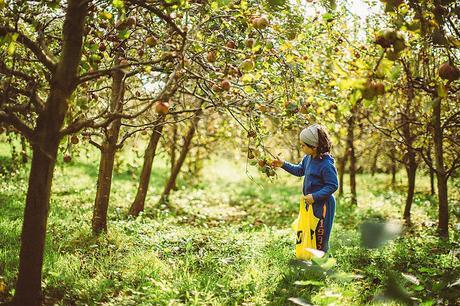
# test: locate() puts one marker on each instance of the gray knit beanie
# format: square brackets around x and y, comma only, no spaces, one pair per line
[309,135]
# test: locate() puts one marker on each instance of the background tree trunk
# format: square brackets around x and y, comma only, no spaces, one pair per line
[351,154]
[173,148]
[108,151]
[393,169]
[374,161]
[49,123]
[341,169]
[410,161]
[441,174]
[432,173]
[411,170]
[183,154]
[149,156]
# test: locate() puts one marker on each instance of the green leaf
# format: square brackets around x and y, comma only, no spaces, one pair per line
[247,77]
[329,264]
[384,68]
[290,58]
[442,90]
[276,3]
[12,45]
[119,4]
[124,34]
[431,271]
[355,96]
[343,277]
[309,282]
[328,17]
[339,69]
[368,102]
[348,83]
[223,2]
[105,15]
[219,3]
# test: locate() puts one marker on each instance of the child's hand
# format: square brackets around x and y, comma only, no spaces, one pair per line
[277,163]
[309,199]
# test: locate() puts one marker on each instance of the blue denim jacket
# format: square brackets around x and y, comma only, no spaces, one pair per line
[320,176]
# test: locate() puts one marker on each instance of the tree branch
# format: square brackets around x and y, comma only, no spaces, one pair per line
[91,123]
[32,46]
[160,14]
[18,124]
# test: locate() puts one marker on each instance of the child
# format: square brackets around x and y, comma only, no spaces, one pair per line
[320,179]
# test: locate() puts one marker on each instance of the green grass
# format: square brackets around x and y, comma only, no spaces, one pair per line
[228,242]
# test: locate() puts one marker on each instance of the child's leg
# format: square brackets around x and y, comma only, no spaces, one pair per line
[323,230]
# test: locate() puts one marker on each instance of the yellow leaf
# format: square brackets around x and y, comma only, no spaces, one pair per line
[2,284]
[286,46]
[442,90]
[104,15]
[351,83]
[339,70]
[248,77]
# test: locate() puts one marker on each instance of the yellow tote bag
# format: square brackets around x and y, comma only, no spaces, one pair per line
[304,227]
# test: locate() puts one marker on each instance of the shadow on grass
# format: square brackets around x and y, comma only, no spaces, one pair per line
[287,288]
[128,174]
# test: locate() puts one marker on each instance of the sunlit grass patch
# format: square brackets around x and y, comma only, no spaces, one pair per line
[227,242]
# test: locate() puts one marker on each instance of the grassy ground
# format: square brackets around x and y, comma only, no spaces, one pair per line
[228,243]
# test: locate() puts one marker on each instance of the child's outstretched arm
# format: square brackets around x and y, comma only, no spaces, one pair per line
[331,183]
[297,170]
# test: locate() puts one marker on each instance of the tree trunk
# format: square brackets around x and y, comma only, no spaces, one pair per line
[374,161]
[441,173]
[28,291]
[410,161]
[393,169]
[108,151]
[183,154]
[411,170]
[198,163]
[432,188]
[149,155]
[49,123]
[104,184]
[173,149]
[351,153]
[432,174]
[341,169]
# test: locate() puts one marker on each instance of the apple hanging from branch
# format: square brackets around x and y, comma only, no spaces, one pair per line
[162,107]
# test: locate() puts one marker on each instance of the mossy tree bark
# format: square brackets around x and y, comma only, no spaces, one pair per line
[44,150]
[108,150]
[139,202]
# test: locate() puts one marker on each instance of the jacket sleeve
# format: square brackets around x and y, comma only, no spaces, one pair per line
[297,170]
[331,183]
